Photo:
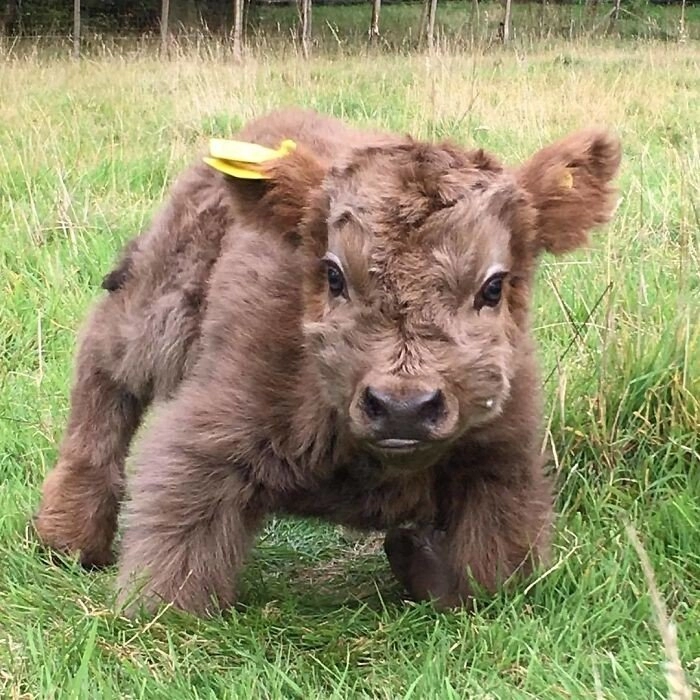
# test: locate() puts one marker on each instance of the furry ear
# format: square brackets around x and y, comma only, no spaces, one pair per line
[289,188]
[276,194]
[569,184]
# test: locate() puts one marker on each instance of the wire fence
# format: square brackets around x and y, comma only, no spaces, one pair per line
[347,26]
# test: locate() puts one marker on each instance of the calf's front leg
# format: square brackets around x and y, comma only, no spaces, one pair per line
[190,518]
[494,529]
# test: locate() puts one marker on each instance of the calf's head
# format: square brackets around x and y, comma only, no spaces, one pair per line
[419,265]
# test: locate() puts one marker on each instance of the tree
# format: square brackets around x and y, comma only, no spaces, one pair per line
[304,9]
[374,23]
[164,28]
[8,18]
[76,29]
[237,29]
[428,15]
[682,31]
[506,22]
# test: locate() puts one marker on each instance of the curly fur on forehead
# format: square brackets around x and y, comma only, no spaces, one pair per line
[413,219]
[408,181]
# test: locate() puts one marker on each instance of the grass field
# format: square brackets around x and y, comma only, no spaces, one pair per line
[86,153]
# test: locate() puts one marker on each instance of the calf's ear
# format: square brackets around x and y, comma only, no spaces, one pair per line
[570,187]
[291,186]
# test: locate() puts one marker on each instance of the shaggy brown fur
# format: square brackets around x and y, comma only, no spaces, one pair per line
[348,340]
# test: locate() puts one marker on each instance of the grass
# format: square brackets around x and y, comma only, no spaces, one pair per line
[86,153]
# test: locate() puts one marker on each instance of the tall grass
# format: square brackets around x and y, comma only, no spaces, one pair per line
[87,151]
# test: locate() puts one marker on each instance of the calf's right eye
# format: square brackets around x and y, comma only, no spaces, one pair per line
[336,279]
[490,292]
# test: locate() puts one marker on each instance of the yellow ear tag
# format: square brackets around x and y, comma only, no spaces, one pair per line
[567,179]
[244,160]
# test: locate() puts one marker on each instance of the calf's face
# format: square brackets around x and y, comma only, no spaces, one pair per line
[420,262]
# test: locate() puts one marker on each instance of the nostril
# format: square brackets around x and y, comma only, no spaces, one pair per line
[432,406]
[374,404]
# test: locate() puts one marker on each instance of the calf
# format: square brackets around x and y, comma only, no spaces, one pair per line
[347,339]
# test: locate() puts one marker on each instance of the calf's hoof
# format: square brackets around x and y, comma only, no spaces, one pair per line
[74,523]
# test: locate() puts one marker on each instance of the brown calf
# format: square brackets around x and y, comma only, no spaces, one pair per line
[348,339]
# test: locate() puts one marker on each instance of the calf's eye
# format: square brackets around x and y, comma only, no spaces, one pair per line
[490,292]
[336,280]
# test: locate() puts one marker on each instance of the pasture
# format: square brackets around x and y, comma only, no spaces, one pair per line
[87,151]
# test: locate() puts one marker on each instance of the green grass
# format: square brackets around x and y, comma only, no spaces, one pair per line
[86,153]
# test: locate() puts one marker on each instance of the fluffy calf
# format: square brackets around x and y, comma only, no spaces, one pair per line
[347,340]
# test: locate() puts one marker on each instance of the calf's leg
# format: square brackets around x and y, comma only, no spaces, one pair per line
[418,560]
[494,530]
[81,495]
[190,516]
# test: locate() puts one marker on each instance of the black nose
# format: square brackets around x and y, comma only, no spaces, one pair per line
[404,416]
